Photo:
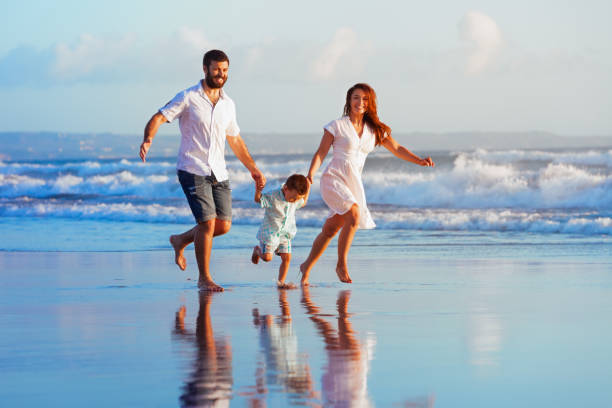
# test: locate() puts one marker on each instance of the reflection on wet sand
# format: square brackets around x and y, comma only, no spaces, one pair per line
[210,382]
[283,367]
[344,382]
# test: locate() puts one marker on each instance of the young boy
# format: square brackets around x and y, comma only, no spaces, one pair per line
[278,226]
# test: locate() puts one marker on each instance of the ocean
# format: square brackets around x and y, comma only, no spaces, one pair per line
[476,196]
[486,283]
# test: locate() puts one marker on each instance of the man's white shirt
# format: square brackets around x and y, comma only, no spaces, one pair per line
[204,128]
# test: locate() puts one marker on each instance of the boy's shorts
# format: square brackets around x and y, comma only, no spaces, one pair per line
[207,197]
[282,245]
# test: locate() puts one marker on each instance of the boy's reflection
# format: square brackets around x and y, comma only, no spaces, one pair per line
[345,377]
[211,379]
[284,366]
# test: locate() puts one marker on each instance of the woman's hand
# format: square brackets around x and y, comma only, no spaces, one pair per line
[427,162]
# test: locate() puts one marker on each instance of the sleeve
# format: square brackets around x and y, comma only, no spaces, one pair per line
[300,203]
[332,127]
[266,200]
[175,107]
[232,128]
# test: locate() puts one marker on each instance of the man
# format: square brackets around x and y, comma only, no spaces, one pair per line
[207,118]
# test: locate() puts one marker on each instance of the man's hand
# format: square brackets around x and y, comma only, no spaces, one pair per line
[149,133]
[144,149]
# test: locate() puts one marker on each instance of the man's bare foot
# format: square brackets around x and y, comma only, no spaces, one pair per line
[179,259]
[255,255]
[209,286]
[284,285]
[304,281]
[343,274]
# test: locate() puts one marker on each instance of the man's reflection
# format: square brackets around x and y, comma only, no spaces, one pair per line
[283,366]
[345,377]
[210,383]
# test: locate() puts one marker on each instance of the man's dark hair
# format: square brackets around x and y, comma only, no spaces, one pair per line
[214,55]
[298,183]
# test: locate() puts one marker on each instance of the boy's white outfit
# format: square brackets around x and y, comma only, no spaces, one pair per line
[278,226]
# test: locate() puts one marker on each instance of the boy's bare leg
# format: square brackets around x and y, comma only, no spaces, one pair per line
[180,241]
[330,228]
[282,272]
[351,224]
[203,237]
[256,254]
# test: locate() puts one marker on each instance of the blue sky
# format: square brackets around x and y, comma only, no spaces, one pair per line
[438,66]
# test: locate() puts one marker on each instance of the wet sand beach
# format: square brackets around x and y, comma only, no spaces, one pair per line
[130,329]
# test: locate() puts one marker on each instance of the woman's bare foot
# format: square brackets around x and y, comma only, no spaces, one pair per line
[284,285]
[343,274]
[304,281]
[179,259]
[209,286]
[255,255]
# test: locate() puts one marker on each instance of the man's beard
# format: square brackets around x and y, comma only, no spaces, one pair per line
[212,84]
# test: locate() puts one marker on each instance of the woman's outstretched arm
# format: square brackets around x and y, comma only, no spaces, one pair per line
[319,156]
[405,154]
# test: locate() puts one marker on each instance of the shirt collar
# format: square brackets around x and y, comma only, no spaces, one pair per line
[280,194]
[201,89]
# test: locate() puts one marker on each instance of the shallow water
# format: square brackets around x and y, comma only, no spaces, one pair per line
[129,329]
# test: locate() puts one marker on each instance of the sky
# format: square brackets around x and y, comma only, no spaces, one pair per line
[437,66]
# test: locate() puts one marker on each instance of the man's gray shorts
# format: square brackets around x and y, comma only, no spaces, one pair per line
[207,197]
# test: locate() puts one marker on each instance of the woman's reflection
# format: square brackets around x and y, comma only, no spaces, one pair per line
[283,366]
[210,383]
[345,377]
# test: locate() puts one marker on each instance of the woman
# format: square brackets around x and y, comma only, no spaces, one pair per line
[353,136]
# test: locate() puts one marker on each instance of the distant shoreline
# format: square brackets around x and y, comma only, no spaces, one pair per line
[58,145]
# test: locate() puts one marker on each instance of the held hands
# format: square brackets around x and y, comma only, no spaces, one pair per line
[259,178]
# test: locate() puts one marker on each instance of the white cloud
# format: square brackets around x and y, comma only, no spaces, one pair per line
[342,44]
[484,37]
[88,55]
[194,38]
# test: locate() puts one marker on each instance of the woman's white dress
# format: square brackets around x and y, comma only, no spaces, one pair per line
[341,184]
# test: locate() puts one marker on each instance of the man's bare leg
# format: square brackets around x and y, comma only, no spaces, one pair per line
[330,228]
[203,237]
[180,241]
[351,224]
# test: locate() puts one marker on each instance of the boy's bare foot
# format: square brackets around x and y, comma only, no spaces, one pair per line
[304,281]
[179,259]
[343,274]
[283,285]
[255,255]
[209,286]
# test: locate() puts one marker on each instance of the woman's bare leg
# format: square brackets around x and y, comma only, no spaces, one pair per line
[351,224]
[330,228]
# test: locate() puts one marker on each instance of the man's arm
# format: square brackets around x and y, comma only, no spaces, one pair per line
[149,133]
[242,153]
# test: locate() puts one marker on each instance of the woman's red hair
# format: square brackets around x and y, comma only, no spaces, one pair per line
[380,130]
